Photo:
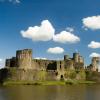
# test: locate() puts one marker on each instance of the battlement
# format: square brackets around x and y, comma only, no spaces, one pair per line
[25,51]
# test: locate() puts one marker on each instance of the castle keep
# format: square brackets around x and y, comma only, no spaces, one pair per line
[24,67]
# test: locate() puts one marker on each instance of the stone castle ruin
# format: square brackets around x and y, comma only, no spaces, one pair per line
[55,69]
[24,60]
[24,67]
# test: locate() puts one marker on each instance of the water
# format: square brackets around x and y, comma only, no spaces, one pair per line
[68,92]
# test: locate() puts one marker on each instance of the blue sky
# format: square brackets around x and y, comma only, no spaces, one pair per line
[63,15]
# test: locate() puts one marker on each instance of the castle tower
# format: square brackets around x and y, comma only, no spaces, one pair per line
[66,57]
[76,57]
[81,60]
[95,63]
[7,63]
[11,62]
[24,59]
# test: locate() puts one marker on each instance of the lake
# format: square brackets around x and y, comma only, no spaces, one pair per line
[68,92]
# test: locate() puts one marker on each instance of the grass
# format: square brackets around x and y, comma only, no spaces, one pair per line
[34,83]
[86,82]
[79,82]
[70,82]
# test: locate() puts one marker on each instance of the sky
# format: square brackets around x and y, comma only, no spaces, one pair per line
[52,28]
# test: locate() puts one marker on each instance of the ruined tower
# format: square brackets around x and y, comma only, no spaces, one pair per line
[66,57]
[24,59]
[68,62]
[95,63]
[76,57]
[81,60]
[11,62]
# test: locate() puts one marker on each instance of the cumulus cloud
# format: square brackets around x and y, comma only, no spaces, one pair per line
[94,54]
[55,50]
[66,37]
[41,58]
[92,22]
[94,45]
[44,32]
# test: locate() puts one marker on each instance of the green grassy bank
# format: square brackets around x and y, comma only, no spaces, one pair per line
[70,82]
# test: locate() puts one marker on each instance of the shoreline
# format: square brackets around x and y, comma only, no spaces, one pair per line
[48,83]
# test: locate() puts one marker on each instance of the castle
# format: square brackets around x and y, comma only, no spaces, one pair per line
[28,68]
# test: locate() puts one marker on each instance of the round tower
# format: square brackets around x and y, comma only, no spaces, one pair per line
[81,59]
[95,63]
[76,57]
[24,59]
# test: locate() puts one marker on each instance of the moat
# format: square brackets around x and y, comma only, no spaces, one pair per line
[68,92]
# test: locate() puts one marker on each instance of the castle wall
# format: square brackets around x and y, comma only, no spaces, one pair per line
[26,68]
[69,64]
[78,66]
[60,65]
[15,74]
[11,62]
[44,64]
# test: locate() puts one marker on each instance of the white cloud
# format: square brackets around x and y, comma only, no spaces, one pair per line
[94,45]
[55,50]
[94,54]
[40,58]
[70,29]
[66,37]
[92,22]
[44,32]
